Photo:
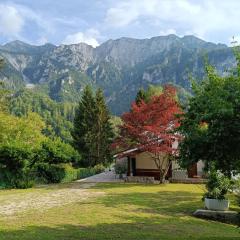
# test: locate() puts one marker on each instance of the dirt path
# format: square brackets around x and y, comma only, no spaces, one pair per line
[44,198]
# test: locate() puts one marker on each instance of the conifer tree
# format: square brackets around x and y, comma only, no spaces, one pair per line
[92,133]
[104,132]
[83,126]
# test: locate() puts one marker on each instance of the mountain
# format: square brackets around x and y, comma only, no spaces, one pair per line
[119,66]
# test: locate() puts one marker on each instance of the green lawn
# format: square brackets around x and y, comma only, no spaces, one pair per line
[121,211]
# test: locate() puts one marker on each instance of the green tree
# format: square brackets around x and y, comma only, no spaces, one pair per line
[27,130]
[55,151]
[146,95]
[20,138]
[141,96]
[92,133]
[103,130]
[211,126]
[83,131]
[58,117]
[116,122]
[153,90]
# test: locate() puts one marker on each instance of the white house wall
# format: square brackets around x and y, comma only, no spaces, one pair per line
[200,168]
[145,161]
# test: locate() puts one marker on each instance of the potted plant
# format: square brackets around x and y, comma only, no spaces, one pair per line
[217,188]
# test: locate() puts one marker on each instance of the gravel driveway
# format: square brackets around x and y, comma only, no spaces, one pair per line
[43,198]
[107,176]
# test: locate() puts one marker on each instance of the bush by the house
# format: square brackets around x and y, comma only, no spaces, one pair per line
[121,167]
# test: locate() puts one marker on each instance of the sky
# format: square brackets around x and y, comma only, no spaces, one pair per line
[95,21]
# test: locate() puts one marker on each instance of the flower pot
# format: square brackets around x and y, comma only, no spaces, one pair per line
[216,204]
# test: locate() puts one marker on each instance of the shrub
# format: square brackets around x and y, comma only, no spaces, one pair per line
[71,173]
[55,152]
[85,172]
[121,167]
[15,160]
[49,173]
[217,186]
[99,168]
[56,173]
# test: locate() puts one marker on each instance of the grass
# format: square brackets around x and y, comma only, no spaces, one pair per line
[125,211]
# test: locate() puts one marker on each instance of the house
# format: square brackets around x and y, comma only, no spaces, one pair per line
[141,163]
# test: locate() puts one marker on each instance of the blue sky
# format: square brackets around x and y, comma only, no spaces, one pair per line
[95,21]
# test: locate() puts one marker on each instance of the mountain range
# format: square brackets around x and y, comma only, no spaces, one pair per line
[120,67]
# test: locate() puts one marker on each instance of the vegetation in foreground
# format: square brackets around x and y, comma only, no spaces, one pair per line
[124,211]
[32,150]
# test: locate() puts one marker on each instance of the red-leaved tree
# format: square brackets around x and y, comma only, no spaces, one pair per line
[150,128]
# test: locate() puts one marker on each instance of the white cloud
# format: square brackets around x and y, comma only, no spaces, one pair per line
[14,18]
[89,37]
[200,18]
[121,16]
[126,12]
[11,21]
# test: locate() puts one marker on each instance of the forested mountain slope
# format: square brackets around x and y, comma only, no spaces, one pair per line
[119,66]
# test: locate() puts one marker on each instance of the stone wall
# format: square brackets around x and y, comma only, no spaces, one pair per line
[138,179]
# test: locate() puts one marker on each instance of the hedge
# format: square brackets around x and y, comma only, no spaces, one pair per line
[62,173]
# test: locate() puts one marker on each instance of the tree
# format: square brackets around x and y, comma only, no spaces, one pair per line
[146,96]
[103,130]
[27,130]
[83,134]
[55,151]
[141,96]
[92,131]
[20,138]
[57,116]
[211,126]
[153,90]
[149,127]
[115,123]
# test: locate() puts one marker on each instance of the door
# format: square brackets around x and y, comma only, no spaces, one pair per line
[192,170]
[133,161]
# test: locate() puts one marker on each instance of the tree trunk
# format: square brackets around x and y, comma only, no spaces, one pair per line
[163,174]
[161,177]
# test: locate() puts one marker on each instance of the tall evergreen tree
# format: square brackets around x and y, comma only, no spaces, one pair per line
[92,133]
[83,126]
[104,131]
